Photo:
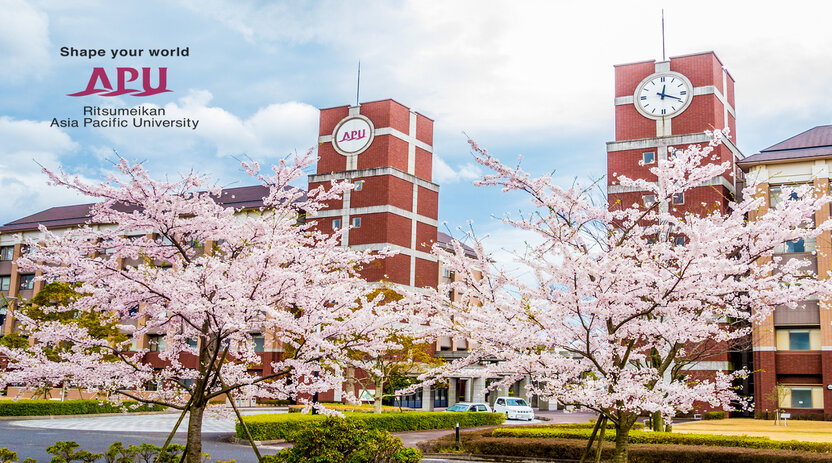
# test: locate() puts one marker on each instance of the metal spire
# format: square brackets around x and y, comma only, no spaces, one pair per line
[358,83]
[663,54]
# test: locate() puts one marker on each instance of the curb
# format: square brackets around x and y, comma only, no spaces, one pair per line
[99,415]
[493,458]
[95,415]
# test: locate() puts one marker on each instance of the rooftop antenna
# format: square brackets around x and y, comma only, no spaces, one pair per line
[663,55]
[358,83]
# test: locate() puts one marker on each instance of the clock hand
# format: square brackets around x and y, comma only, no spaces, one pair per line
[664,88]
[674,97]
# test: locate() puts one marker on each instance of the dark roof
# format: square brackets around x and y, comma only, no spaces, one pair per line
[444,241]
[247,197]
[813,143]
[53,217]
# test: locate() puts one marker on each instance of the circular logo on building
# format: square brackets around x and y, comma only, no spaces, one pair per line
[352,135]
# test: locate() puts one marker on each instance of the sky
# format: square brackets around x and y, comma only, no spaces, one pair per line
[520,77]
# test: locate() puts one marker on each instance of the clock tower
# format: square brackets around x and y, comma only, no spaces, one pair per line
[386,151]
[668,105]
[664,106]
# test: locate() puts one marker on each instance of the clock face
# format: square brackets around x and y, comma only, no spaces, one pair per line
[664,94]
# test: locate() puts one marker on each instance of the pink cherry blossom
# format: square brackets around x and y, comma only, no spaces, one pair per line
[614,313]
[208,277]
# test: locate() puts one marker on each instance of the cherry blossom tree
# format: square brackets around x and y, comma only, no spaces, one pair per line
[207,277]
[410,354]
[611,304]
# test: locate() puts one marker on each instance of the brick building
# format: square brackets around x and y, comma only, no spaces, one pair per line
[793,348]
[382,147]
[668,105]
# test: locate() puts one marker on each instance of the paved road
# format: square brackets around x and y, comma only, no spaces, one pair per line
[137,423]
[29,438]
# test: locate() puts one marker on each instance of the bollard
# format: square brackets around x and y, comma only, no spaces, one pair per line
[457,437]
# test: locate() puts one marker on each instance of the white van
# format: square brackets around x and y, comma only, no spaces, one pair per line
[515,408]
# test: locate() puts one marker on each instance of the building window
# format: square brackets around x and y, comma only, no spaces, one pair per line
[259,342]
[649,200]
[2,319]
[446,272]
[679,198]
[27,282]
[157,342]
[193,343]
[679,240]
[648,157]
[775,194]
[5,282]
[355,222]
[6,252]
[359,185]
[336,224]
[672,153]
[795,246]
[801,397]
[797,339]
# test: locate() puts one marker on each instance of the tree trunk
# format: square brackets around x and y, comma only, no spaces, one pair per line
[379,395]
[622,437]
[194,443]
[658,422]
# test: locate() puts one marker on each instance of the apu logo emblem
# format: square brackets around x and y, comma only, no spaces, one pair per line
[353,135]
[125,76]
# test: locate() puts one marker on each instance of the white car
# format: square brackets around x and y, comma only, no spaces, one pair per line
[469,407]
[514,408]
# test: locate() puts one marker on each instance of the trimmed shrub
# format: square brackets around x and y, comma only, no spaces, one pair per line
[338,440]
[590,426]
[274,402]
[715,415]
[481,443]
[345,408]
[34,407]
[653,438]
[283,426]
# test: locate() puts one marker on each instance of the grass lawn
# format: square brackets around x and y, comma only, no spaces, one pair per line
[813,431]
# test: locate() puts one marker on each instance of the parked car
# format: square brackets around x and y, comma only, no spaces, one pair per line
[514,408]
[469,407]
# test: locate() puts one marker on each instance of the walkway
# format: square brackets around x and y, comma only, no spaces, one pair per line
[137,423]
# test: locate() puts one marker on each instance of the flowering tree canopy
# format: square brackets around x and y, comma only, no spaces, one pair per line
[615,304]
[168,258]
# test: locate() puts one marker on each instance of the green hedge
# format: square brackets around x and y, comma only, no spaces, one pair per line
[481,443]
[284,425]
[715,415]
[35,407]
[644,437]
[590,426]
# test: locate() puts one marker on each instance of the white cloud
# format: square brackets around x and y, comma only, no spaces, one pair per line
[26,144]
[24,41]
[444,173]
[271,133]
[520,68]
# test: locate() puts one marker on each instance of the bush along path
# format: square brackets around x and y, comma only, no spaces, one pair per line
[338,440]
[570,443]
[283,426]
[70,452]
[37,407]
